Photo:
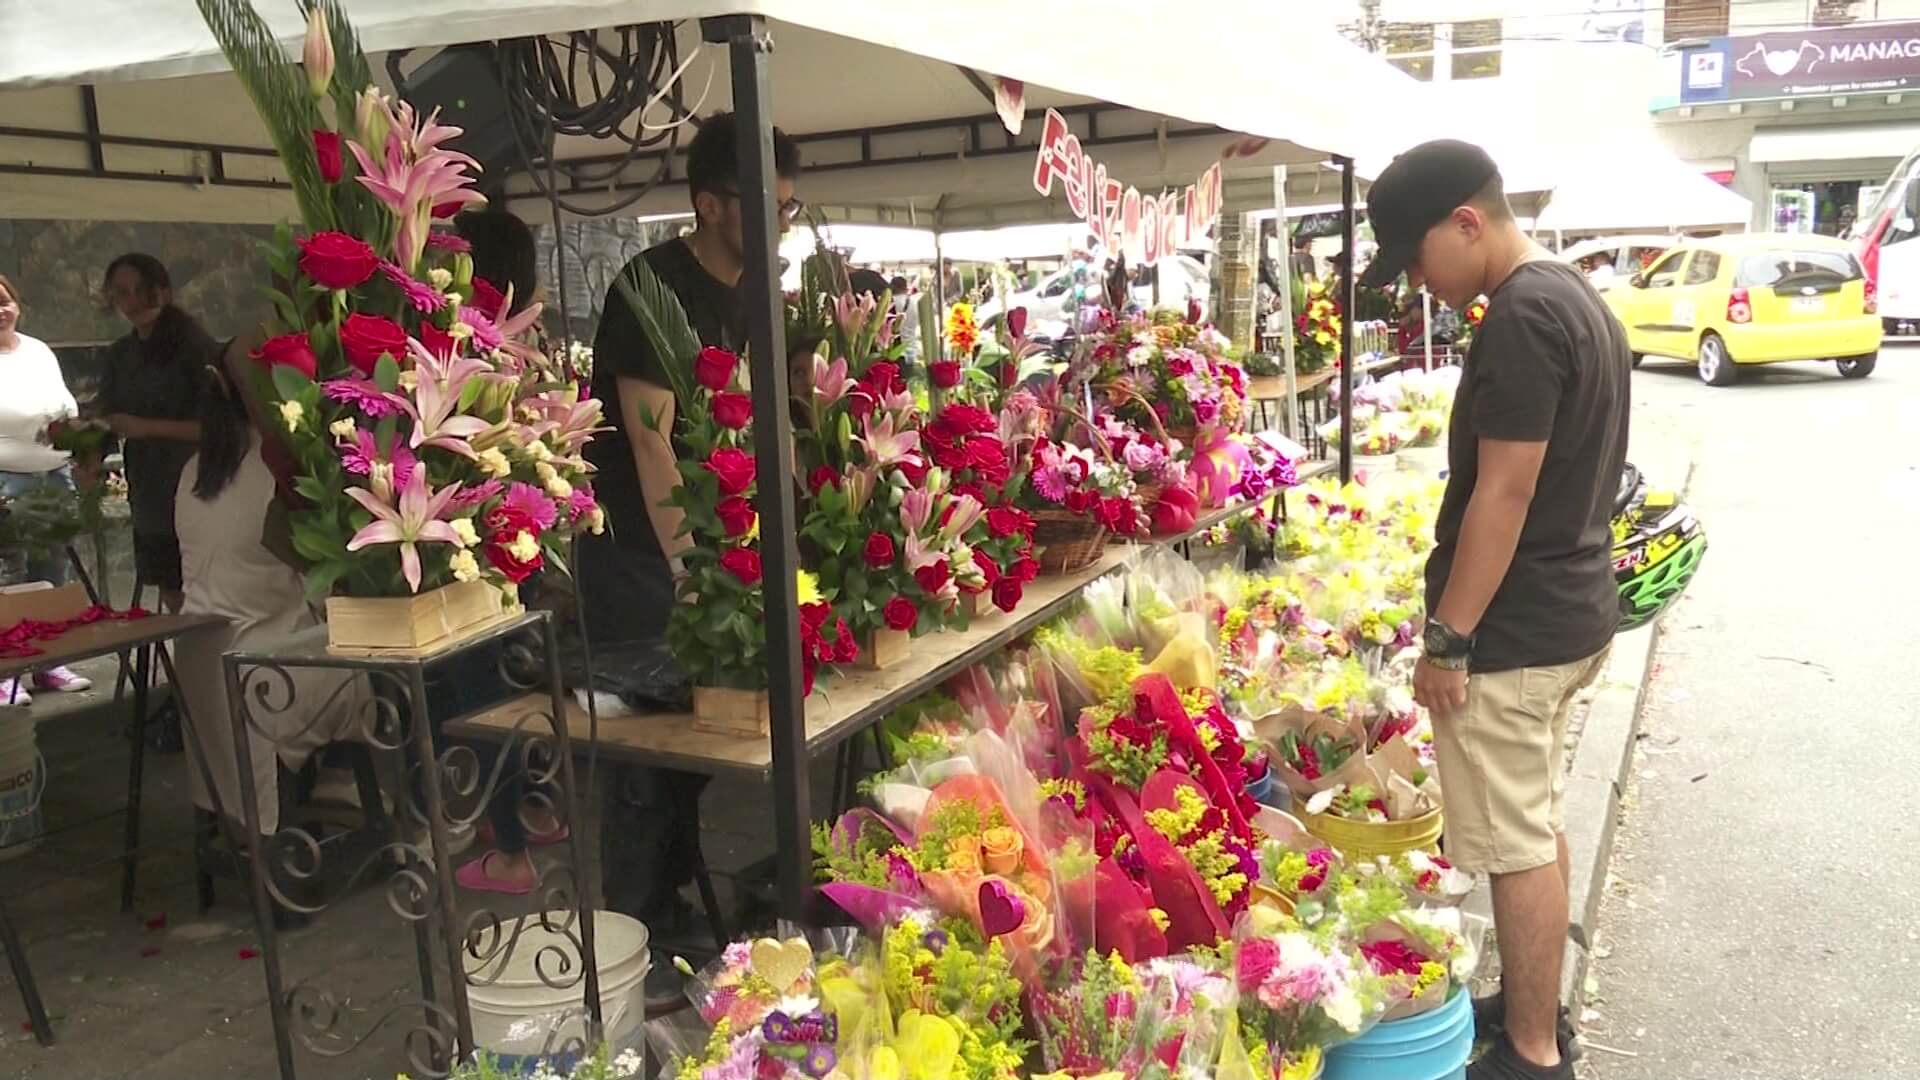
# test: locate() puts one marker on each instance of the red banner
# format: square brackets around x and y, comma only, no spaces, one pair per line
[1145,228]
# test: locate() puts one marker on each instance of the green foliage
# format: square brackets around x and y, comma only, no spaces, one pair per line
[279,91]
[664,321]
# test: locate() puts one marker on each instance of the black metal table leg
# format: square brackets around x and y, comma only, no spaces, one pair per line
[23,978]
[136,768]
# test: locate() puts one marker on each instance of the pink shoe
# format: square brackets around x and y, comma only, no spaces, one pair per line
[474,876]
[61,681]
[12,693]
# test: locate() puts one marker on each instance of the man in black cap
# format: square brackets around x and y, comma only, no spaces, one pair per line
[1521,604]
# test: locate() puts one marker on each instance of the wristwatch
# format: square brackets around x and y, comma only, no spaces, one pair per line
[1446,647]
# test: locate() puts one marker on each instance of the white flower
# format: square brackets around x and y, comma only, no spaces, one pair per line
[292,414]
[463,528]
[558,487]
[440,278]
[524,547]
[463,564]
[459,331]
[544,470]
[628,1063]
[409,380]
[1140,356]
[798,1005]
[597,521]
[343,429]
[537,450]
[495,463]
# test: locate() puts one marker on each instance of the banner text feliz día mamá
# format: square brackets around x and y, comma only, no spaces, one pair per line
[1145,228]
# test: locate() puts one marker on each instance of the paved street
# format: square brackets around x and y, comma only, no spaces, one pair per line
[1762,918]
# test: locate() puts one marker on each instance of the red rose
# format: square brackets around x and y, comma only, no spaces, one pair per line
[1080,500]
[511,568]
[335,260]
[934,576]
[879,553]
[824,476]
[879,378]
[1026,528]
[326,150]
[731,410]
[364,338]
[1002,521]
[961,419]
[949,456]
[733,468]
[914,468]
[989,455]
[900,613]
[288,350]
[743,563]
[845,649]
[978,493]
[1024,568]
[736,515]
[988,570]
[1006,592]
[813,616]
[714,368]
[490,301]
[860,404]
[944,373]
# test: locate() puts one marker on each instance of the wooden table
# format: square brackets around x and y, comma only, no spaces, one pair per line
[106,638]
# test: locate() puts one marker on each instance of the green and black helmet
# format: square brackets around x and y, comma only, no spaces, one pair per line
[1657,547]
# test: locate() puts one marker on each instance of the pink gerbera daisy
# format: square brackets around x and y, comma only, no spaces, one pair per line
[476,496]
[363,395]
[363,453]
[580,503]
[532,502]
[422,297]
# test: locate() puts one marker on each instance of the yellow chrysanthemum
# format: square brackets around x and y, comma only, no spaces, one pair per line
[808,584]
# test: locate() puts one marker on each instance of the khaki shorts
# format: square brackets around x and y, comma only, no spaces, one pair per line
[1502,768]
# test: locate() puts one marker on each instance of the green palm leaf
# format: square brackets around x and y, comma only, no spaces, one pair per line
[664,322]
[279,93]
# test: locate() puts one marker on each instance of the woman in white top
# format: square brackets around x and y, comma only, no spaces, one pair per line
[32,395]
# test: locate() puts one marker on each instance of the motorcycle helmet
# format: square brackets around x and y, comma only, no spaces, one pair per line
[1657,547]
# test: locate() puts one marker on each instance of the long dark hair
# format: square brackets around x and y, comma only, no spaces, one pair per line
[504,252]
[225,435]
[170,329]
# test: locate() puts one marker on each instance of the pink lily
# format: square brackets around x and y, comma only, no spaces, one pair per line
[919,555]
[885,445]
[508,335]
[830,381]
[418,519]
[853,313]
[413,175]
[916,507]
[436,399]
[567,418]
[966,512]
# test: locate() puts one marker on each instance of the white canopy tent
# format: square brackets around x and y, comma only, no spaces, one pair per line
[893,123]
[1641,187]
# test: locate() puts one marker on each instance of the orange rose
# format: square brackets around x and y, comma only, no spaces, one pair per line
[963,862]
[1000,849]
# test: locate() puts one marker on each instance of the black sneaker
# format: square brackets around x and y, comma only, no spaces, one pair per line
[1503,1062]
[1490,1021]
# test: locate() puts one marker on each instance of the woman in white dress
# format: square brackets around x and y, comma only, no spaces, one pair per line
[224,514]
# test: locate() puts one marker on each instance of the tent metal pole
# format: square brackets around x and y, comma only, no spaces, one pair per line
[1290,409]
[1348,294]
[748,48]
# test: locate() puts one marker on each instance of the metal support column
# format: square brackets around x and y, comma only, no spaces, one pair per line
[1290,409]
[749,46]
[1348,294]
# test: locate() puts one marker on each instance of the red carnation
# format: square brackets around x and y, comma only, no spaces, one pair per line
[288,350]
[944,373]
[731,410]
[736,515]
[365,338]
[879,553]
[1080,500]
[511,568]
[900,613]
[335,260]
[326,150]
[1006,592]
[714,368]
[488,300]
[743,563]
[934,576]
[733,468]
[824,476]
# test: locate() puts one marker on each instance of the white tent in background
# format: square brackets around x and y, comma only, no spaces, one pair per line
[1640,186]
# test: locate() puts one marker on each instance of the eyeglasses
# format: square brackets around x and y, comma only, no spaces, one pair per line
[789,209]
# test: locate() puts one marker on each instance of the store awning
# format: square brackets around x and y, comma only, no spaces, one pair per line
[838,67]
[1833,142]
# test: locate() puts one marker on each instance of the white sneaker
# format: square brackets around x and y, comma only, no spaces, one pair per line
[12,693]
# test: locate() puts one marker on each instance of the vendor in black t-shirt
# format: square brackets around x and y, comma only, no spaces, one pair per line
[648,841]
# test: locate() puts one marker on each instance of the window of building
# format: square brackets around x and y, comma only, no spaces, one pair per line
[1695,19]
[1476,49]
[1409,47]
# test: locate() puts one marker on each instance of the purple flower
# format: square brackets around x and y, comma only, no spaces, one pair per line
[777,1027]
[821,1060]
[422,297]
[477,496]
[935,940]
[363,395]
[580,503]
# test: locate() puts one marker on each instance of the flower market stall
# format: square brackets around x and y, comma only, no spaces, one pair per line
[906,539]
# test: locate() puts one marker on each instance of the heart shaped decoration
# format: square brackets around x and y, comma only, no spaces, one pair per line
[1001,911]
[781,963]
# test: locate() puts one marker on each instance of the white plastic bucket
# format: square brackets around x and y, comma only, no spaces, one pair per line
[516,1015]
[23,779]
[1369,465]
[1431,460]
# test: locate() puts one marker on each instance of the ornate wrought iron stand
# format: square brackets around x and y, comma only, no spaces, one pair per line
[469,943]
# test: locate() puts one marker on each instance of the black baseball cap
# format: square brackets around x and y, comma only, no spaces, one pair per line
[1417,192]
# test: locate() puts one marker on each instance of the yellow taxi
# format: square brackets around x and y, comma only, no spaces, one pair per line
[1752,298]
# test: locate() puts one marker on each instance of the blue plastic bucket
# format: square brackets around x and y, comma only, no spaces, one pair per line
[1262,789]
[1431,1046]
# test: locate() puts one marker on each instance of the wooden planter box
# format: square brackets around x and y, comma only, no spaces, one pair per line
[731,712]
[884,648]
[412,624]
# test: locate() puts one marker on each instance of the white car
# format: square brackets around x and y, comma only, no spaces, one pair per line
[1049,304]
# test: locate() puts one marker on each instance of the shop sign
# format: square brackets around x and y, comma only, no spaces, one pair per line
[1145,228]
[1882,58]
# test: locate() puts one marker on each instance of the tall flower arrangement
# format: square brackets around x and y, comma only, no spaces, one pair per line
[1316,331]
[433,442]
